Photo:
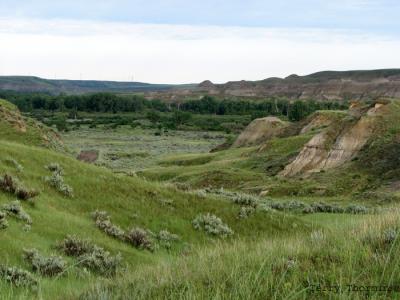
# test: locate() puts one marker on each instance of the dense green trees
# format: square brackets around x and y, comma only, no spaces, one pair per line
[107,102]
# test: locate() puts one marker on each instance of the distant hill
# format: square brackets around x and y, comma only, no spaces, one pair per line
[36,84]
[329,85]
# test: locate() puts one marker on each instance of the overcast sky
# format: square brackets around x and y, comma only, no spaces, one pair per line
[174,41]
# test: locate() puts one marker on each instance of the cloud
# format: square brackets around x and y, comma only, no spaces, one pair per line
[182,53]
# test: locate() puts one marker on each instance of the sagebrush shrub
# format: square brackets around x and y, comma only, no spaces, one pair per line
[356,209]
[12,185]
[103,222]
[15,209]
[100,261]
[55,167]
[75,246]
[46,266]
[17,276]
[211,224]
[3,220]
[139,238]
[56,180]
[90,255]
[245,200]
[166,238]
[389,236]
[246,211]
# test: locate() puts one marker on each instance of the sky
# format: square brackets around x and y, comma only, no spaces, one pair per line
[175,41]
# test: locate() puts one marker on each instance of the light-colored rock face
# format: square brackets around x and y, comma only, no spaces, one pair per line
[259,131]
[317,155]
[349,143]
[311,158]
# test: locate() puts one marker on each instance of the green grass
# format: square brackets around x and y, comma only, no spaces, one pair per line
[339,254]
[127,149]
[272,255]
[130,202]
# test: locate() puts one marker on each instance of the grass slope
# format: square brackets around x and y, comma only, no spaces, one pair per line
[130,202]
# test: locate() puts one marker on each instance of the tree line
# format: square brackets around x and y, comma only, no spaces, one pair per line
[112,103]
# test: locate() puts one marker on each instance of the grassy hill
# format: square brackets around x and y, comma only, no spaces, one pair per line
[130,202]
[259,249]
[39,85]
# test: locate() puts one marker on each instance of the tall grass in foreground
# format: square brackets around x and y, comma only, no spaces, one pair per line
[281,268]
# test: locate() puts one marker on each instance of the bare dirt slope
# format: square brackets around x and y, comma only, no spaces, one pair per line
[337,144]
[260,131]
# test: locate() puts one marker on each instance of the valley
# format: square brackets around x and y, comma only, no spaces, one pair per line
[257,211]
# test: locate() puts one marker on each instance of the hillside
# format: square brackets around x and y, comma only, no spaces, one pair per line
[329,153]
[27,84]
[329,85]
[16,128]
[81,231]
[130,201]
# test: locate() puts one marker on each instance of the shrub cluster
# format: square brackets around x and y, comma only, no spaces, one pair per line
[166,238]
[103,222]
[45,266]
[56,180]
[15,209]
[245,199]
[246,211]
[90,255]
[12,185]
[211,224]
[139,238]
[316,207]
[17,276]
[136,237]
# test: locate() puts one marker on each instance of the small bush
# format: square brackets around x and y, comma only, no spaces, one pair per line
[3,221]
[356,209]
[246,211]
[46,266]
[381,240]
[245,200]
[56,180]
[100,261]
[308,210]
[18,277]
[211,224]
[75,246]
[55,167]
[103,222]
[139,238]
[165,238]
[15,209]
[12,185]
[389,236]
[90,256]
[27,228]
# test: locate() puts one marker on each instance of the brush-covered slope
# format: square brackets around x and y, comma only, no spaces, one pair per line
[337,151]
[131,202]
